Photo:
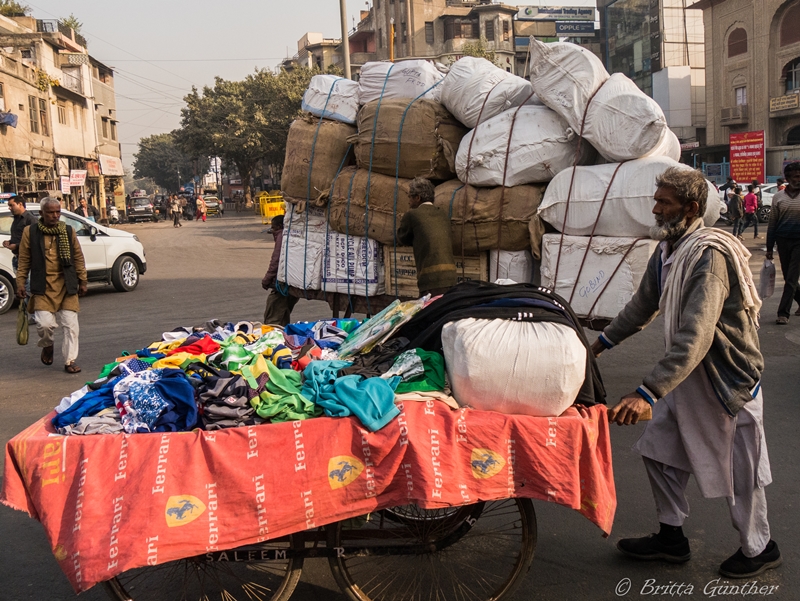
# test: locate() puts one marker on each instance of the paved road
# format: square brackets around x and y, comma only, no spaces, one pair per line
[213,270]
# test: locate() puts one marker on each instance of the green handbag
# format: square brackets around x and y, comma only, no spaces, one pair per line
[22,322]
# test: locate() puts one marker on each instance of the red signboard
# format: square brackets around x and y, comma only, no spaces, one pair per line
[747,156]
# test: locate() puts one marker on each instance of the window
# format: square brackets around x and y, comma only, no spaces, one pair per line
[105,127]
[114,130]
[62,114]
[2,100]
[791,72]
[43,117]
[33,114]
[380,37]
[429,38]
[456,27]
[790,32]
[506,31]
[737,43]
[489,31]
[741,95]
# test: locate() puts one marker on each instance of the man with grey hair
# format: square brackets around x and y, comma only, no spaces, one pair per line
[50,252]
[705,395]
[427,229]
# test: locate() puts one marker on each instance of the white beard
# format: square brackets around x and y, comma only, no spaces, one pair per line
[669,230]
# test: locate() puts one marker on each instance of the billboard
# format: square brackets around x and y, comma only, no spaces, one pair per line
[748,156]
[584,29]
[556,13]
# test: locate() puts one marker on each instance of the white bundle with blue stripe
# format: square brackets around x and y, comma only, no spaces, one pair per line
[332,97]
[403,79]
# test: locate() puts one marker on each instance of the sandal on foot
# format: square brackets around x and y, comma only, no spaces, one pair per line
[782,321]
[71,368]
[47,355]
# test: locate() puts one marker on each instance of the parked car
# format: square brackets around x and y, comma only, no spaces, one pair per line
[213,206]
[112,255]
[141,209]
[767,191]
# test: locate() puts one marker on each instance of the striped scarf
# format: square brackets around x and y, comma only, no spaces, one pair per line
[64,246]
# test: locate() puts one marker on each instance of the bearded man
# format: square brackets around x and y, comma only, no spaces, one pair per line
[705,394]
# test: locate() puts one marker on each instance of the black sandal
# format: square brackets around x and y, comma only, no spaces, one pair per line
[47,355]
[71,368]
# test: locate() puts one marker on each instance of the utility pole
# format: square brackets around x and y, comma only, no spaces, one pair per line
[345,39]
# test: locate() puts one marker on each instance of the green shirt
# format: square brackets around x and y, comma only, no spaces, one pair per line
[427,229]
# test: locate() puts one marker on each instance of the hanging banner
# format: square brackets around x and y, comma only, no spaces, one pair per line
[77,178]
[65,187]
[747,156]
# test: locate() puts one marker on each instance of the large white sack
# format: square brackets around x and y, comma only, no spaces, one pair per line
[623,122]
[471,80]
[628,210]
[531,368]
[542,144]
[595,279]
[668,146]
[564,77]
[353,265]
[404,79]
[518,266]
[300,264]
[332,97]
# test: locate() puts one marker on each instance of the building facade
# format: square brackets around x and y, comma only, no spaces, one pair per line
[753,64]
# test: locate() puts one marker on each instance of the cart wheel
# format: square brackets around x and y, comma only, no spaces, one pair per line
[200,579]
[479,552]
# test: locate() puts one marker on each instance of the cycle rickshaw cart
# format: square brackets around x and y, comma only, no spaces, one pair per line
[434,505]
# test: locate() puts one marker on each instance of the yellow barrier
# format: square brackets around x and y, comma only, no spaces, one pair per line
[269,206]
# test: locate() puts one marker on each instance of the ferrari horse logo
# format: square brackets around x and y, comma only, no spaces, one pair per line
[343,470]
[485,463]
[183,509]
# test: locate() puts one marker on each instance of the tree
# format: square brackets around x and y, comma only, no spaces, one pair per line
[161,159]
[244,122]
[478,49]
[11,8]
[72,22]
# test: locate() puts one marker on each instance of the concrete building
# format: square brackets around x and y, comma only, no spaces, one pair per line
[753,65]
[316,51]
[65,110]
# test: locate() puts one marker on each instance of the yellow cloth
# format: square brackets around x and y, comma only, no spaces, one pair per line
[178,360]
[55,297]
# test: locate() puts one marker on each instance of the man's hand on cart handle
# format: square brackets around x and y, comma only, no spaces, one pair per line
[598,347]
[582,410]
[632,408]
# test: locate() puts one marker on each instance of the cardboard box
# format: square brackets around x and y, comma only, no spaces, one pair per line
[402,271]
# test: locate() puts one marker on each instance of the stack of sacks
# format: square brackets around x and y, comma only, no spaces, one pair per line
[621,232]
[542,145]
[492,218]
[475,90]
[315,146]
[621,121]
[387,198]
[302,252]
[423,132]
[332,97]
[353,265]
[404,79]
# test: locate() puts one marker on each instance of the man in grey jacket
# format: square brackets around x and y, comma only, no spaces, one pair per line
[705,394]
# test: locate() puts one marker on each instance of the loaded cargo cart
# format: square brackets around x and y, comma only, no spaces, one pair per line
[212,463]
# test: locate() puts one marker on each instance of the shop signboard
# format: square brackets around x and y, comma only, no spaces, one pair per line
[747,156]
[65,187]
[111,165]
[584,29]
[557,13]
[77,178]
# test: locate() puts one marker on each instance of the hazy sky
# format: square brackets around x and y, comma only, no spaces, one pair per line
[159,49]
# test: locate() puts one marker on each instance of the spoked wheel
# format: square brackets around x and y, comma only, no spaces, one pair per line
[239,574]
[478,552]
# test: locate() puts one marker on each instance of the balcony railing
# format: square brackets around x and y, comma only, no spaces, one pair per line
[734,115]
[56,26]
[72,80]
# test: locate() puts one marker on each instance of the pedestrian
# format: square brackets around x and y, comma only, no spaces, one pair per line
[784,230]
[705,393]
[22,218]
[279,303]
[86,210]
[201,209]
[751,212]
[175,209]
[729,184]
[781,184]
[49,251]
[427,229]
[736,212]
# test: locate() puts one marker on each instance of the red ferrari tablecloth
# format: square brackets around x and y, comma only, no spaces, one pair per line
[110,503]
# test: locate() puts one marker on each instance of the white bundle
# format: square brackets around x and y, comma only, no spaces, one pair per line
[332,97]
[542,144]
[628,206]
[404,79]
[594,281]
[300,264]
[471,80]
[514,366]
[353,265]
[518,266]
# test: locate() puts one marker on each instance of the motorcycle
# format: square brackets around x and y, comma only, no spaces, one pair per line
[113,215]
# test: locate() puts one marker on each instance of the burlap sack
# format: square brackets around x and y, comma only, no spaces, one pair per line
[475,215]
[349,218]
[428,141]
[328,151]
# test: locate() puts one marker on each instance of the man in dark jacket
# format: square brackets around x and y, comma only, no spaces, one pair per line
[736,212]
[279,303]
[86,210]
[427,229]
[50,252]
[22,219]
[784,230]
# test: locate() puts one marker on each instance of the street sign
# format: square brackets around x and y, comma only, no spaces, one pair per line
[690,145]
[747,156]
[583,29]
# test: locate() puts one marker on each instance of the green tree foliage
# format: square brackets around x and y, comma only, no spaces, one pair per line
[72,22]
[480,50]
[11,8]
[160,158]
[244,122]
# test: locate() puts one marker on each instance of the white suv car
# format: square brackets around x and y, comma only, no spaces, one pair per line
[112,256]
